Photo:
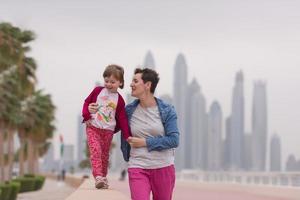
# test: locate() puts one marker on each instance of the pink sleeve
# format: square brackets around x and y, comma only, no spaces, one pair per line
[85,110]
[122,121]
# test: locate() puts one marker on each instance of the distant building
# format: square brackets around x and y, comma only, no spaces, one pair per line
[227,142]
[291,163]
[247,158]
[196,120]
[259,127]
[236,146]
[275,154]
[49,163]
[214,159]
[149,61]
[179,99]
[68,157]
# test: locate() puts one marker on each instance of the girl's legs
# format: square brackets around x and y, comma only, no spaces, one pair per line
[93,139]
[99,141]
[105,142]
[139,183]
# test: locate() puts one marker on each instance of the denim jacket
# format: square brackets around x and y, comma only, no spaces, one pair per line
[169,120]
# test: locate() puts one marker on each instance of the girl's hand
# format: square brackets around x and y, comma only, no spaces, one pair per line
[93,107]
[137,142]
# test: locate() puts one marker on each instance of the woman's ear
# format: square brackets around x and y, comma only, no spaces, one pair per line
[148,85]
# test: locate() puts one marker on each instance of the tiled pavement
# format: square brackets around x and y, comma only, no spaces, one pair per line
[187,190]
[184,190]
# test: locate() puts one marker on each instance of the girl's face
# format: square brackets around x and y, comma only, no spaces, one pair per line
[112,84]
[138,87]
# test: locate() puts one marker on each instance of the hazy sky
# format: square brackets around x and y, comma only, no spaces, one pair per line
[77,39]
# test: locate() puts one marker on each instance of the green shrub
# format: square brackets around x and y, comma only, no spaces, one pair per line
[15,187]
[30,182]
[29,175]
[5,191]
[39,182]
[27,183]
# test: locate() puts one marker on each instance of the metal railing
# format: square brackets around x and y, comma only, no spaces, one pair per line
[248,178]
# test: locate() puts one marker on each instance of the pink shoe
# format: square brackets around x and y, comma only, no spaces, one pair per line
[105,183]
[99,182]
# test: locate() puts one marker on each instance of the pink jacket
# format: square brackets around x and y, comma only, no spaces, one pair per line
[121,117]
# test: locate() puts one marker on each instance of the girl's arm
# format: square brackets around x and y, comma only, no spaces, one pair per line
[85,110]
[122,120]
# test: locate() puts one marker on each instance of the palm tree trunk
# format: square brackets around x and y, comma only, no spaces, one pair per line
[10,152]
[21,152]
[36,158]
[30,156]
[1,153]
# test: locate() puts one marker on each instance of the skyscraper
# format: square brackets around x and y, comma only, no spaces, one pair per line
[149,61]
[237,124]
[214,137]
[49,162]
[68,157]
[259,127]
[226,159]
[291,163]
[196,127]
[247,158]
[275,154]
[179,99]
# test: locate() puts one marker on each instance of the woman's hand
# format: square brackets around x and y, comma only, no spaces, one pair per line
[93,107]
[137,142]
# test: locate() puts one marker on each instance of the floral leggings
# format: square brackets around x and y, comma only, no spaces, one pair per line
[99,141]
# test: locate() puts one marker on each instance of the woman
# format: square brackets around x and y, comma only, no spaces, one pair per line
[153,125]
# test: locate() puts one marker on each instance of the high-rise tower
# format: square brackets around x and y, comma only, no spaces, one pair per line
[195,150]
[149,61]
[237,124]
[179,99]
[275,154]
[259,127]
[214,137]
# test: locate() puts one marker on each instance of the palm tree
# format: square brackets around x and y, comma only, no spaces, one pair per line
[25,126]
[42,130]
[15,67]
[9,116]
[17,83]
[9,55]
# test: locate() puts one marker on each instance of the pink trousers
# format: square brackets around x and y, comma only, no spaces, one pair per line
[160,181]
[99,141]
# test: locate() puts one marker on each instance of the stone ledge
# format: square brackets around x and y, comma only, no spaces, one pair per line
[88,191]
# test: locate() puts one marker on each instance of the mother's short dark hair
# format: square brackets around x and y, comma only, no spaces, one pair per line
[148,75]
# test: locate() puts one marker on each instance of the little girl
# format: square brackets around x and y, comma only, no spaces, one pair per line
[109,119]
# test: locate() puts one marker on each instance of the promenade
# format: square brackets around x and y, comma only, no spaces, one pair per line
[191,190]
[184,190]
[52,190]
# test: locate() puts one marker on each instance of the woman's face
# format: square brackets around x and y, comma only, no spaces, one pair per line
[137,86]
